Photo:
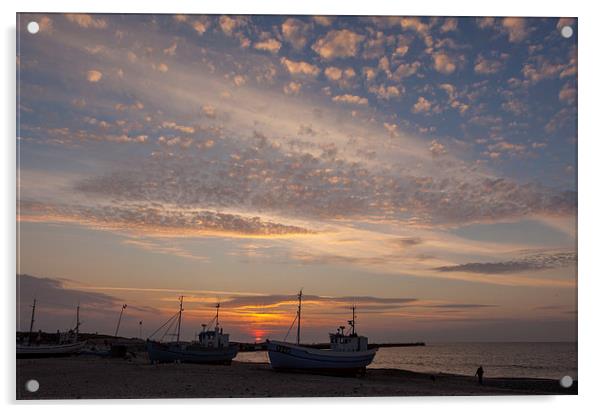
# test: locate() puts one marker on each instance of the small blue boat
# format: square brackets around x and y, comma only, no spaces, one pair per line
[213,346]
[348,353]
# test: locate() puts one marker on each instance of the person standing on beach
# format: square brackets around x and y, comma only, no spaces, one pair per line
[480,373]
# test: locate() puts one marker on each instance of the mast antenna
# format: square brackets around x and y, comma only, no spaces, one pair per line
[180,318]
[353,319]
[217,315]
[299,296]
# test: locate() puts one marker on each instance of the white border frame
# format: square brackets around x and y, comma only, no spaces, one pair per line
[590,149]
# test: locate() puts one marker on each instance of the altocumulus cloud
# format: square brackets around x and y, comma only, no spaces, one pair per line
[534,262]
[260,177]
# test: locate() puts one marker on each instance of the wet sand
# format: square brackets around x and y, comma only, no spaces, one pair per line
[91,377]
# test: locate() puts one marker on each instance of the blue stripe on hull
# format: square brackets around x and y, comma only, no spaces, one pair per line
[295,358]
[163,354]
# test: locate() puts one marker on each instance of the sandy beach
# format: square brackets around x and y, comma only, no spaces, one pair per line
[90,377]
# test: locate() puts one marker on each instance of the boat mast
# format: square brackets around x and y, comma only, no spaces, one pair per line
[353,320]
[299,317]
[217,315]
[180,318]
[123,307]
[77,322]
[33,312]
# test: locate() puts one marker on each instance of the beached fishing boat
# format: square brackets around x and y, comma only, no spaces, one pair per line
[68,343]
[213,346]
[347,353]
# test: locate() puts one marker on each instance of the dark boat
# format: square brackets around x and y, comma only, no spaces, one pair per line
[213,346]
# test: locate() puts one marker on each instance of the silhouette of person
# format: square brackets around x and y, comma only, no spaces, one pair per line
[480,373]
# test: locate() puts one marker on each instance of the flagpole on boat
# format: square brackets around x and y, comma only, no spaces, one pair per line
[299,317]
[123,307]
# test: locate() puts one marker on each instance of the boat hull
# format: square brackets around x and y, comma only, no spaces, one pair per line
[59,350]
[286,356]
[169,353]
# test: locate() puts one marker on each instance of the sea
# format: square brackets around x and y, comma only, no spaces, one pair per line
[533,360]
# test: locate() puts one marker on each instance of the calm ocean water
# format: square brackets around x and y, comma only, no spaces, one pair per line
[541,360]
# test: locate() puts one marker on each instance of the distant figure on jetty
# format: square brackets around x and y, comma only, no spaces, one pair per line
[480,373]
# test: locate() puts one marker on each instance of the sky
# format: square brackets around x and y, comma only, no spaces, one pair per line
[420,168]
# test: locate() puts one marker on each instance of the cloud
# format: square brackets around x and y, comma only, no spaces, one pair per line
[405,70]
[93,76]
[407,242]
[416,24]
[86,21]
[333,73]
[565,21]
[443,63]
[52,293]
[175,126]
[385,92]
[146,219]
[57,299]
[338,43]
[66,136]
[516,28]
[171,50]
[300,67]
[270,45]
[391,128]
[542,68]
[453,100]
[567,94]
[351,99]
[201,25]
[161,67]
[239,80]
[375,47]
[449,25]
[292,88]
[422,105]
[485,22]
[323,20]
[436,148]
[295,32]
[515,106]
[46,25]
[504,146]
[279,300]
[209,111]
[230,24]
[463,306]
[487,66]
[249,176]
[339,76]
[534,262]
[163,246]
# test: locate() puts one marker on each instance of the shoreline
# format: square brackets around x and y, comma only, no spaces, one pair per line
[91,377]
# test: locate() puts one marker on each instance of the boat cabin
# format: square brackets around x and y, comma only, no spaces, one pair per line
[351,342]
[214,338]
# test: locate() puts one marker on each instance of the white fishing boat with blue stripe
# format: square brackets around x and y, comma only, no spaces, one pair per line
[348,353]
